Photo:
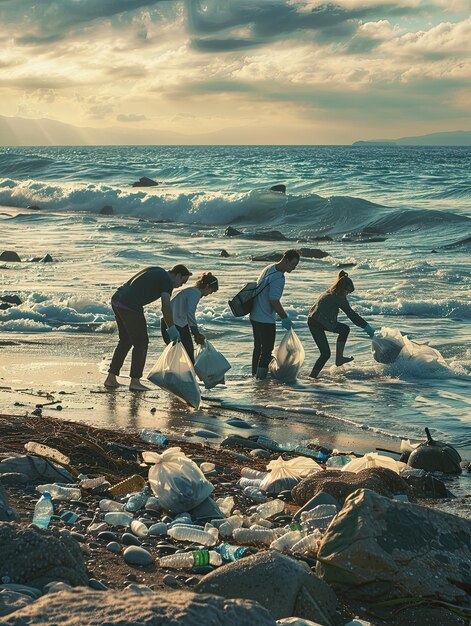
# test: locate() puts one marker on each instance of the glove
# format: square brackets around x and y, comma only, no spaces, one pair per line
[287,323]
[369,331]
[173,333]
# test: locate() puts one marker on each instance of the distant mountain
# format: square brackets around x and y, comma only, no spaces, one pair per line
[454,138]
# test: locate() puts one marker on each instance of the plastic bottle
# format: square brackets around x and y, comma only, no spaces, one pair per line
[152,504]
[45,451]
[308,544]
[262,536]
[272,507]
[226,505]
[250,482]
[118,518]
[92,483]
[319,517]
[271,444]
[138,500]
[195,535]
[139,528]
[286,541]
[61,492]
[338,461]
[255,494]
[153,436]
[181,518]
[128,485]
[230,524]
[250,472]
[317,455]
[43,511]
[191,559]
[231,553]
[110,505]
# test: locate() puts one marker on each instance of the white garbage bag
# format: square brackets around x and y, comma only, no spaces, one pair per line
[421,354]
[285,475]
[210,365]
[386,345]
[287,358]
[174,372]
[178,482]
[373,459]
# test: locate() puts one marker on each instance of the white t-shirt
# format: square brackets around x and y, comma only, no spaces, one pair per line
[262,310]
[184,304]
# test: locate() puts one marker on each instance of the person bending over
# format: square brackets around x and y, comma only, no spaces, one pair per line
[323,316]
[266,305]
[148,285]
[184,305]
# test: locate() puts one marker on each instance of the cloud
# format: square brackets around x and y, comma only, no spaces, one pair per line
[224,45]
[131,117]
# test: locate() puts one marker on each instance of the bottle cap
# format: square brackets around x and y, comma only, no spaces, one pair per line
[46,494]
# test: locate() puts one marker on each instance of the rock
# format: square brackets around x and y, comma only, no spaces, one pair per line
[93,583]
[9,257]
[237,422]
[313,253]
[238,441]
[158,529]
[178,608]
[262,454]
[270,257]
[284,586]
[56,586]
[202,569]
[232,232]
[135,555]
[170,581]
[224,254]
[145,182]
[128,539]
[47,259]
[279,188]
[33,556]
[424,484]
[13,479]
[7,513]
[114,547]
[206,511]
[107,535]
[297,621]
[33,207]
[342,484]
[37,469]
[206,434]
[377,548]
[106,210]
[267,235]
[25,590]
[11,299]
[11,601]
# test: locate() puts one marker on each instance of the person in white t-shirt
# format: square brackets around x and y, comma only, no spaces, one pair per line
[266,306]
[184,304]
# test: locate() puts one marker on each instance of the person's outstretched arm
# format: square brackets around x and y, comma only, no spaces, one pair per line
[355,318]
[167,309]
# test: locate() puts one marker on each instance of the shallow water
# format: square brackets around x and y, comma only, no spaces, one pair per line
[416,198]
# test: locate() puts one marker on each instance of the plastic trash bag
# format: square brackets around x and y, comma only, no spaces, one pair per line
[178,482]
[285,475]
[373,459]
[386,345]
[210,365]
[421,354]
[174,372]
[287,358]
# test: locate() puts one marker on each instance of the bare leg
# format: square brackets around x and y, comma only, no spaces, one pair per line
[339,358]
[136,385]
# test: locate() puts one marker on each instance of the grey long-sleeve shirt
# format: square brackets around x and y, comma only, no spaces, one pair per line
[326,309]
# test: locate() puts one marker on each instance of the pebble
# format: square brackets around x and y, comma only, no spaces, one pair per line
[262,454]
[139,588]
[131,577]
[206,434]
[285,495]
[107,535]
[170,581]
[55,586]
[135,555]
[78,536]
[192,581]
[33,592]
[202,569]
[158,529]
[113,546]
[93,545]
[130,540]
[166,548]
[97,584]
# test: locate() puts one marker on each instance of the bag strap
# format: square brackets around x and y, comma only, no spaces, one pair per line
[267,276]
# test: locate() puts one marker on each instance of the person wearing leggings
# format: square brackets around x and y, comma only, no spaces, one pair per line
[323,317]
[184,304]
[265,307]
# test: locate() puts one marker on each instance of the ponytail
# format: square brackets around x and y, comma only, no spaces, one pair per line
[342,282]
[207,280]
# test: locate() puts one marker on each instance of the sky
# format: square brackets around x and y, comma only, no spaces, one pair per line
[240,71]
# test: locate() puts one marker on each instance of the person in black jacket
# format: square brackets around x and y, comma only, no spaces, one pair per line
[323,316]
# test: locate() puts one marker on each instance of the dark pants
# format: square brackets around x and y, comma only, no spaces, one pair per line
[132,328]
[264,342]
[185,336]
[318,333]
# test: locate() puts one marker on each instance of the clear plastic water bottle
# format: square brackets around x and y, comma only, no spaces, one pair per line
[191,559]
[61,492]
[139,528]
[269,443]
[250,472]
[226,505]
[272,507]
[152,435]
[48,453]
[308,544]
[317,455]
[255,494]
[230,524]
[231,553]
[338,461]
[319,517]
[250,482]
[195,535]
[110,505]
[261,536]
[43,511]
[92,483]
[286,541]
[138,500]
[118,518]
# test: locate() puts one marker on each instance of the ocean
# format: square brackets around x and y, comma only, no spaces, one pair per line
[397,218]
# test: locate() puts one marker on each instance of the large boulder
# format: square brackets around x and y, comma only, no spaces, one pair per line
[281,584]
[35,557]
[144,181]
[106,210]
[7,514]
[377,548]
[80,607]
[9,256]
[341,484]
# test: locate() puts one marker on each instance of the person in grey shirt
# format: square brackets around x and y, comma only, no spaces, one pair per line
[266,306]
[323,316]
